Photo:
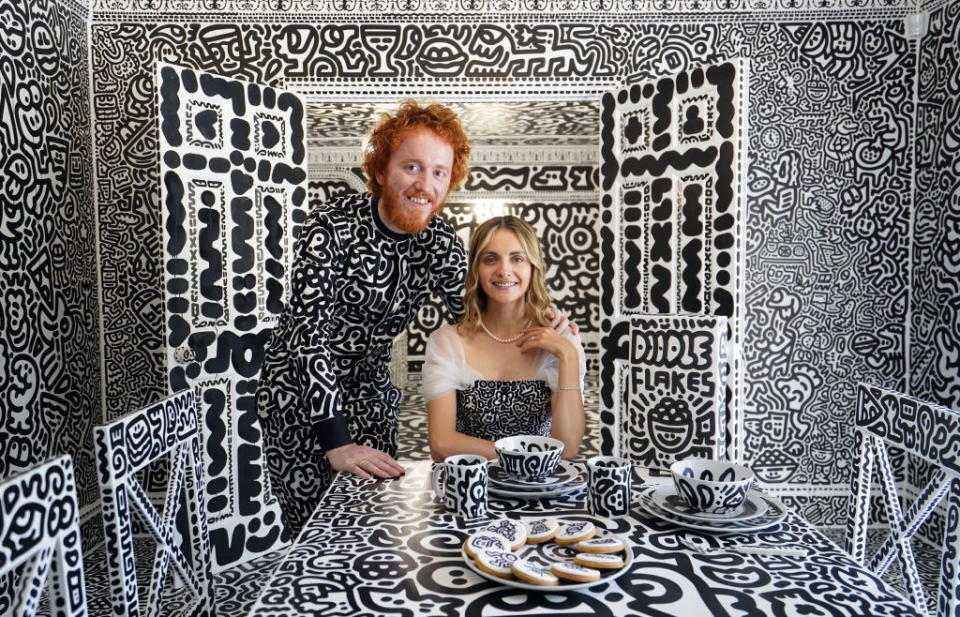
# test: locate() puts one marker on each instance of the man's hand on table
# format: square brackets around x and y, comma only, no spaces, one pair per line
[364,461]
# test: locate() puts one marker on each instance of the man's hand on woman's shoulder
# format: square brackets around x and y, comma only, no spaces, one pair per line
[560,322]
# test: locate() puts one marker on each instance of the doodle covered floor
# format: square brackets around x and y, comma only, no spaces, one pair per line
[238,588]
[927,556]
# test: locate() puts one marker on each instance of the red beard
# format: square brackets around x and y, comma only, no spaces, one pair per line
[408,220]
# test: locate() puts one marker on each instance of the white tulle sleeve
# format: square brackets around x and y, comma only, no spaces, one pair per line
[550,367]
[444,367]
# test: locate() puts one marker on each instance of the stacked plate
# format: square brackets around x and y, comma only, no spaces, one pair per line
[566,479]
[758,511]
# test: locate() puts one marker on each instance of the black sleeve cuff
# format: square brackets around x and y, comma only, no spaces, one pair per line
[332,433]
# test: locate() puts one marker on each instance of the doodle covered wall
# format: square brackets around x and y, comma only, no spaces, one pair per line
[935,298]
[935,291]
[829,176]
[49,359]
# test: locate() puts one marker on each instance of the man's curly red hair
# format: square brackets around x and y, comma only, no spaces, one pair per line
[386,136]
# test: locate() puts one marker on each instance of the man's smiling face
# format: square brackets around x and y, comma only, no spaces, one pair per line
[416,181]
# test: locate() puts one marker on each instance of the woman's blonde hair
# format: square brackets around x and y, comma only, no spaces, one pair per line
[536,298]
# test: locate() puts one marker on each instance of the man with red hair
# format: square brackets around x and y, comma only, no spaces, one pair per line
[363,266]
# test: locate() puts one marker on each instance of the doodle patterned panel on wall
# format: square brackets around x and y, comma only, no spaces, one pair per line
[670,376]
[322,189]
[935,302]
[233,192]
[671,167]
[934,344]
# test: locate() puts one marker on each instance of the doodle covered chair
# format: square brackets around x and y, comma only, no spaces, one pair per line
[40,540]
[931,433]
[169,428]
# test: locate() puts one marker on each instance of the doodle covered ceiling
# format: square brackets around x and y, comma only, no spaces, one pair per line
[385,9]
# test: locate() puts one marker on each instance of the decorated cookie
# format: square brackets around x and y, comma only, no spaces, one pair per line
[515,532]
[574,572]
[600,545]
[610,561]
[533,572]
[496,562]
[541,530]
[483,540]
[575,532]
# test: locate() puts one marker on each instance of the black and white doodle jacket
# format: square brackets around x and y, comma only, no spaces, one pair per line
[354,286]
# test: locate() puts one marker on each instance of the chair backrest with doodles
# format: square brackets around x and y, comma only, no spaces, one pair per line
[125,446]
[932,433]
[40,539]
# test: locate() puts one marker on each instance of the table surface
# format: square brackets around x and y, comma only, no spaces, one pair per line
[388,548]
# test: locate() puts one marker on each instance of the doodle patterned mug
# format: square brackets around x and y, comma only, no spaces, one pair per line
[610,481]
[461,483]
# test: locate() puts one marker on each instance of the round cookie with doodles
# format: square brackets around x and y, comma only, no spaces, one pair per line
[533,572]
[514,531]
[577,531]
[606,544]
[496,562]
[574,572]
[484,540]
[541,530]
[603,561]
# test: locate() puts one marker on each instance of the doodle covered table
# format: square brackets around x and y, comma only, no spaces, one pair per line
[387,548]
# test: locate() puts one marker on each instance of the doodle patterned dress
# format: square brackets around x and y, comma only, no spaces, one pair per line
[355,285]
[489,409]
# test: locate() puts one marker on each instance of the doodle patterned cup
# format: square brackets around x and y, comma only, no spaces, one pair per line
[461,483]
[714,487]
[610,481]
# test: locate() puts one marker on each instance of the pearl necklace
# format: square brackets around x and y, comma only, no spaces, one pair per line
[502,340]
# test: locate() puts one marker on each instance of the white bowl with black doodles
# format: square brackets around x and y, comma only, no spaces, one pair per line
[712,486]
[529,457]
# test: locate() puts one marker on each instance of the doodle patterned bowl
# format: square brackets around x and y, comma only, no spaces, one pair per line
[529,457]
[714,487]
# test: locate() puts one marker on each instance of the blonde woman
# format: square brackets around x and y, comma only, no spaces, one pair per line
[503,370]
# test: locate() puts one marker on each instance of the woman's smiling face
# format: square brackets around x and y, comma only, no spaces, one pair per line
[504,269]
